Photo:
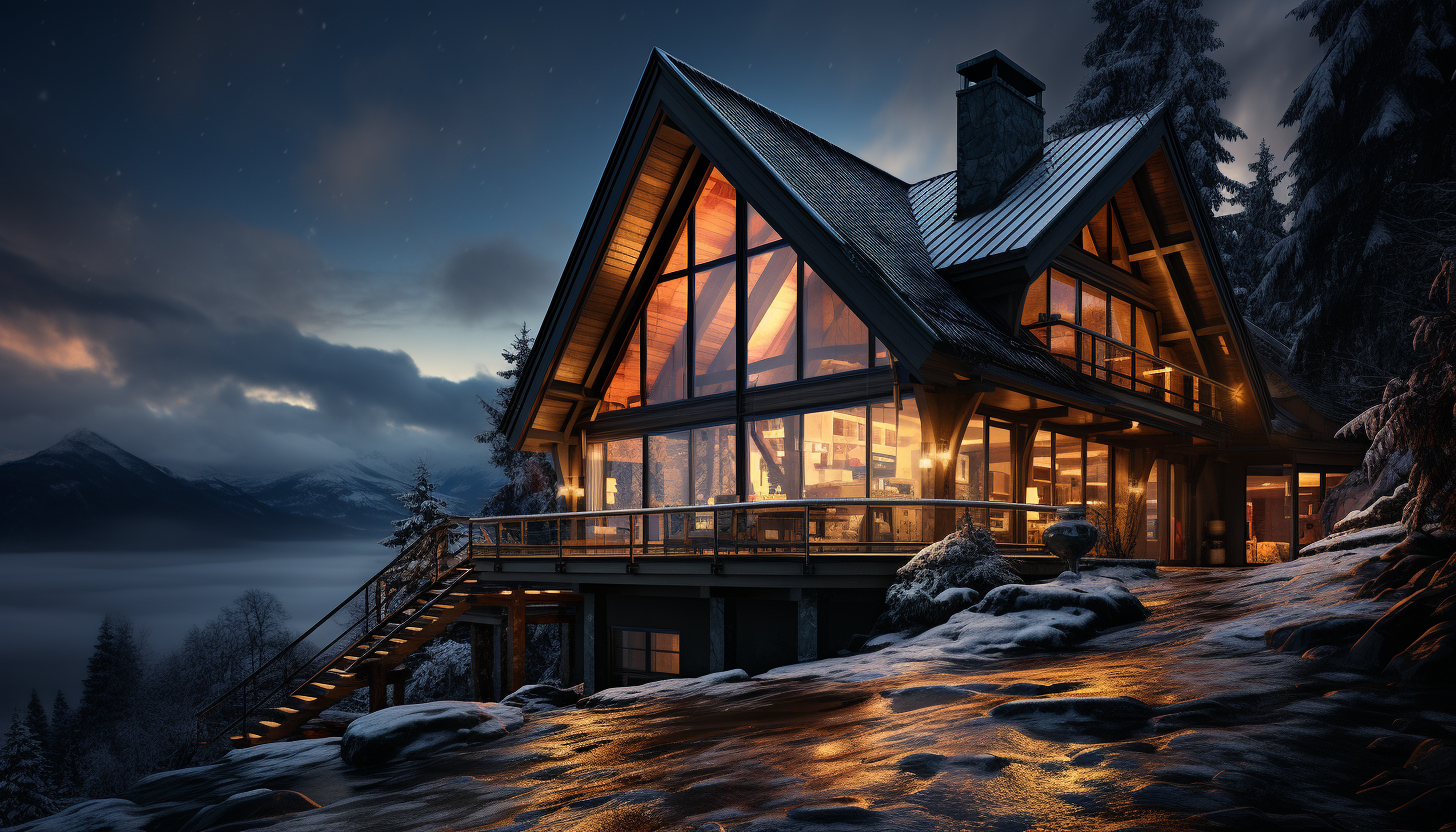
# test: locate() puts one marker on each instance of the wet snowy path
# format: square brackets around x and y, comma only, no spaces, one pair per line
[1181,721]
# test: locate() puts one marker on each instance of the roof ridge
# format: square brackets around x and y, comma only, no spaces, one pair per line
[684,65]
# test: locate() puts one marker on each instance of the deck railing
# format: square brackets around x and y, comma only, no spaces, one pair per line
[767,528]
[1094,354]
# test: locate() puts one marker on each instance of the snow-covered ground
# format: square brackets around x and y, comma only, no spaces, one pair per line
[1182,720]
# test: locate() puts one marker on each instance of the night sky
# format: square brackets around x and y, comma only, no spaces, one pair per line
[250,237]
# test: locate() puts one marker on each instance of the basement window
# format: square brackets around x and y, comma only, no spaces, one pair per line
[642,654]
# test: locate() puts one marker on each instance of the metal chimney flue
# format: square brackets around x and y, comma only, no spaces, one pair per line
[999,128]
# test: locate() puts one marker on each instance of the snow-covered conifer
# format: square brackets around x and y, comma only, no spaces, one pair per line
[1375,119]
[1153,51]
[530,477]
[61,757]
[1252,233]
[23,790]
[424,510]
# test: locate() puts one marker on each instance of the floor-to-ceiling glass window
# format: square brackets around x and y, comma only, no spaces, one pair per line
[1267,504]
[1002,522]
[772,316]
[715,344]
[666,335]
[1039,486]
[835,339]
[835,453]
[715,461]
[1098,484]
[667,469]
[971,462]
[773,459]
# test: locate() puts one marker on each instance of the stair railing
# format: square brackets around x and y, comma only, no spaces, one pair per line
[417,566]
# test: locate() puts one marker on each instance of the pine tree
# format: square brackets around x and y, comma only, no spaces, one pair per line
[113,676]
[530,477]
[61,758]
[425,510]
[1155,51]
[1252,233]
[1375,123]
[40,729]
[23,790]
[1415,415]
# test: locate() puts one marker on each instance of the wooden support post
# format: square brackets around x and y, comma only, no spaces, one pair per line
[377,698]
[943,417]
[518,642]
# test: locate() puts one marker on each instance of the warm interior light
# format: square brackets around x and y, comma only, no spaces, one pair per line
[927,462]
[1156,371]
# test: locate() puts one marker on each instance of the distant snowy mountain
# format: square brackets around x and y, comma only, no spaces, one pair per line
[85,492]
[360,494]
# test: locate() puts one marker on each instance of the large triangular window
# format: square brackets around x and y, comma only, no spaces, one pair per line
[730,268]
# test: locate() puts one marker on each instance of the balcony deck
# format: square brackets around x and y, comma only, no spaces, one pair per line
[1113,362]
[830,543]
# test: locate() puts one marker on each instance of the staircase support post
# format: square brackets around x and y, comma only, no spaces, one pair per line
[518,641]
[377,699]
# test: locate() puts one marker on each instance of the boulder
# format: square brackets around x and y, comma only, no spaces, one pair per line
[1430,658]
[1433,761]
[533,698]
[944,578]
[246,806]
[1341,630]
[1382,512]
[1108,600]
[410,732]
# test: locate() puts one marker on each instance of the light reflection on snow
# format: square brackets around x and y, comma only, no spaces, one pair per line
[912,744]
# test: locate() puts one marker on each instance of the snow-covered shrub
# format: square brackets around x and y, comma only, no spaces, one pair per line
[944,578]
[444,673]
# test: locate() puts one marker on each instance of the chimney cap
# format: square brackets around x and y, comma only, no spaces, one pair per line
[993,64]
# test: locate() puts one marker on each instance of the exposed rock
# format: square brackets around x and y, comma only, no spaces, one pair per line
[1397,575]
[533,698]
[252,805]
[1386,510]
[1392,793]
[921,765]
[944,578]
[1430,658]
[1334,629]
[636,694]
[1437,805]
[1109,600]
[1109,717]
[417,731]
[1434,761]
[1094,756]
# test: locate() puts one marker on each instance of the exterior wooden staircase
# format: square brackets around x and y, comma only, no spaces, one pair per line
[391,616]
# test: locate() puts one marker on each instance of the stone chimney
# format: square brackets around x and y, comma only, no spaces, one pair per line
[999,125]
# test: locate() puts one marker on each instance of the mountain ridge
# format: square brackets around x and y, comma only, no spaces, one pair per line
[87,492]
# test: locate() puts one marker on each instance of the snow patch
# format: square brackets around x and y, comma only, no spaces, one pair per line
[636,694]
[415,731]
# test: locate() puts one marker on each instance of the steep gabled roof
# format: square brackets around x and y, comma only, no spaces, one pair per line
[869,214]
[1033,205]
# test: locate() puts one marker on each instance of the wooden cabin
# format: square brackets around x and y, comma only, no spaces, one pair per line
[751,314]
[771,372]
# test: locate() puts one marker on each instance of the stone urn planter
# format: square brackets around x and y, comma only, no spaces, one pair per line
[1071,537]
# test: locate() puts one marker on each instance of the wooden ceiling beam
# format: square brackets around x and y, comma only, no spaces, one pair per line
[1023,417]
[1187,245]
[1158,255]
